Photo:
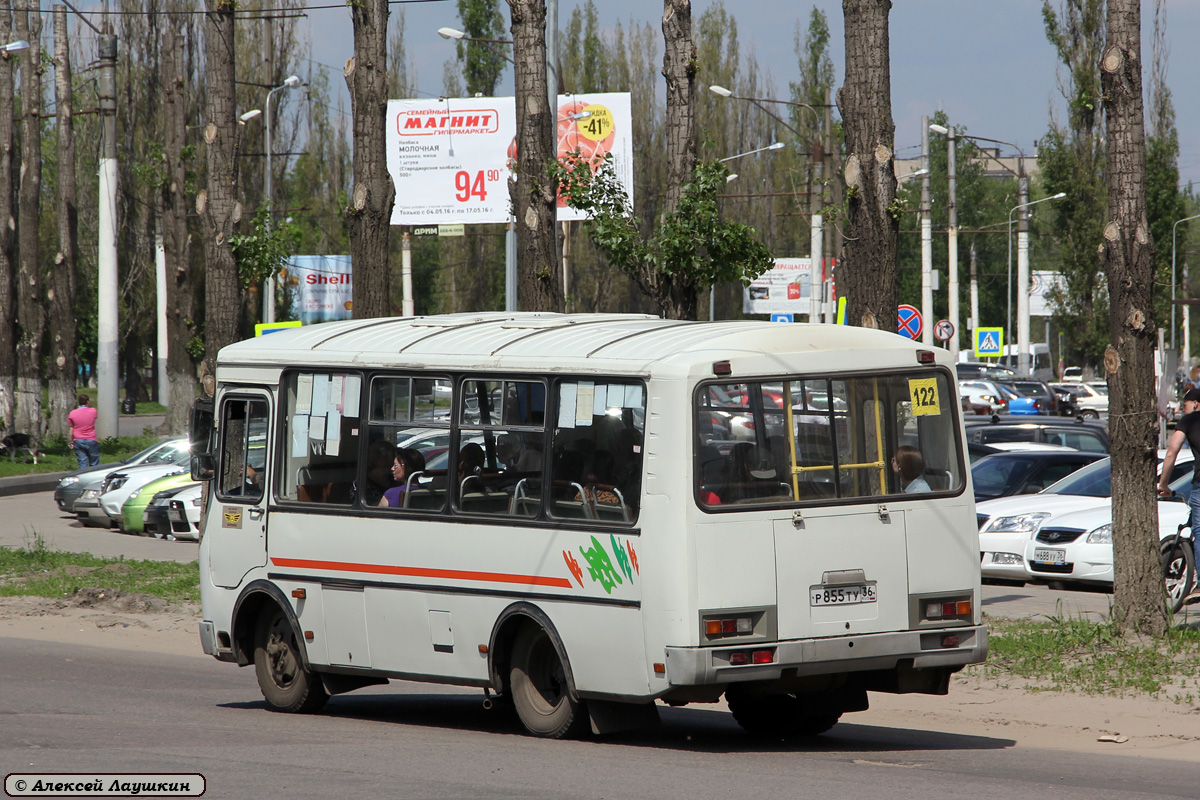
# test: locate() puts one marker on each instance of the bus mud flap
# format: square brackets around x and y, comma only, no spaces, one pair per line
[608,716]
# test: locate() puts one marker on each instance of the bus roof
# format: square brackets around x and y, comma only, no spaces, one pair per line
[532,340]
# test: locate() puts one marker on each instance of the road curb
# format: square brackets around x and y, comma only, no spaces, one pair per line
[23,484]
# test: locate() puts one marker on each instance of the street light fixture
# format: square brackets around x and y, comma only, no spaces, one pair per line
[454,33]
[268,313]
[774,146]
[12,47]
[1023,321]
[249,115]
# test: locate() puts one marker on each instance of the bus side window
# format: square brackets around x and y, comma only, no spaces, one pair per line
[321,437]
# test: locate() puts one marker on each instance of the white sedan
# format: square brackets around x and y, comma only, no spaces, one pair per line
[184,513]
[1077,547]
[120,485]
[1008,524]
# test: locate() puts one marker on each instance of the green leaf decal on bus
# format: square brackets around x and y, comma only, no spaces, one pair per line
[600,566]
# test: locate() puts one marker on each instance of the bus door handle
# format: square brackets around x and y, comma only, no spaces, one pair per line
[884,514]
[797,519]
[255,513]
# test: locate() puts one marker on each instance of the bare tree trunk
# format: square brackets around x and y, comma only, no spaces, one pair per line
[31,313]
[368,219]
[63,366]
[868,277]
[172,215]
[533,189]
[679,68]
[217,205]
[1127,255]
[8,228]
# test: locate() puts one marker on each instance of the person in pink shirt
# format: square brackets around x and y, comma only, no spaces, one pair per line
[82,438]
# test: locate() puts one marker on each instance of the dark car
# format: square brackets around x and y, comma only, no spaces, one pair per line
[979,369]
[1047,398]
[976,451]
[1022,472]
[1090,437]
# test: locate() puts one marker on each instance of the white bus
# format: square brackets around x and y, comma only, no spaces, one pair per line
[608,511]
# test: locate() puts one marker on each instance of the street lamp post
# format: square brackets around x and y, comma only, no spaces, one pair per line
[926,240]
[817,245]
[268,314]
[712,290]
[952,234]
[1022,281]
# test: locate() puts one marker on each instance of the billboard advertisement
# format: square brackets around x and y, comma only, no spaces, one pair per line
[782,289]
[320,288]
[451,158]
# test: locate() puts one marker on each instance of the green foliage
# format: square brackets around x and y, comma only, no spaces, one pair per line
[1074,654]
[692,247]
[482,65]
[265,251]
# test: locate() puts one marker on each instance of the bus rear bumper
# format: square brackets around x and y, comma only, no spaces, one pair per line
[936,649]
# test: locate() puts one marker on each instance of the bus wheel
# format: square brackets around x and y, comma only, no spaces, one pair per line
[285,684]
[538,685]
[777,715]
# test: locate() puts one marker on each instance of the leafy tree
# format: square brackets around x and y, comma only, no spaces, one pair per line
[692,247]
[482,64]
[264,251]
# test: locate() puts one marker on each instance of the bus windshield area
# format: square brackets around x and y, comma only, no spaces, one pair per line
[816,439]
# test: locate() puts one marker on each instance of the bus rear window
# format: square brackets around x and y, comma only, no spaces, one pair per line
[812,439]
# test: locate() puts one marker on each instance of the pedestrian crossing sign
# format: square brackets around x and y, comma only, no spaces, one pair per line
[989,342]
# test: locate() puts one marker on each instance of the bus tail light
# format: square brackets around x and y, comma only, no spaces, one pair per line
[925,357]
[947,609]
[752,624]
[739,658]
[729,626]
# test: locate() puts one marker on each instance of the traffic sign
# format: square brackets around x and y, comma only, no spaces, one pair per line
[944,330]
[989,342]
[782,318]
[908,322]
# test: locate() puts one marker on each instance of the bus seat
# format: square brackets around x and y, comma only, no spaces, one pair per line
[938,479]
[606,510]
[526,498]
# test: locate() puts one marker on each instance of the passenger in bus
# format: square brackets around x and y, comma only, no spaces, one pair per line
[598,477]
[470,460]
[910,466]
[379,472]
[407,462]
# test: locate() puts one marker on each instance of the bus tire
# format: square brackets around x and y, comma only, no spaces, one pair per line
[1179,570]
[777,715]
[284,681]
[539,688]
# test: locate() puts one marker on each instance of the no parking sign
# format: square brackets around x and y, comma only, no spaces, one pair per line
[908,322]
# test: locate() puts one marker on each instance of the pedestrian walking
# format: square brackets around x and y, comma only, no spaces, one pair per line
[82,438]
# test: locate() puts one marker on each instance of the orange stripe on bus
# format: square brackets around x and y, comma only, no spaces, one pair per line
[424,572]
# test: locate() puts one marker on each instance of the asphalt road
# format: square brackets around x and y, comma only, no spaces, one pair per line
[74,709]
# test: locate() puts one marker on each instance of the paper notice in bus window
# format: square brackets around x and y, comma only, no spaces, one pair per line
[304,393]
[633,396]
[924,395]
[299,435]
[584,403]
[336,383]
[316,427]
[567,393]
[353,390]
[616,395]
[333,432]
[600,401]
[320,395]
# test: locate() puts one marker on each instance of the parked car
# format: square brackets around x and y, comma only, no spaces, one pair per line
[73,484]
[979,369]
[1039,390]
[1076,547]
[133,510]
[183,511]
[1025,472]
[1087,436]
[120,485]
[1089,401]
[976,451]
[1006,524]
[1072,374]
[997,395]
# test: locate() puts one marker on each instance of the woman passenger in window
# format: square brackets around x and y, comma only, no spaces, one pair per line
[408,462]
[910,466]
[379,474]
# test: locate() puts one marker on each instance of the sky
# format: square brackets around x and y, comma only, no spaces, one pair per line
[986,63]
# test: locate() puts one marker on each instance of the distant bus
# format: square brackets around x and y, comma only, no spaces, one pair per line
[613,511]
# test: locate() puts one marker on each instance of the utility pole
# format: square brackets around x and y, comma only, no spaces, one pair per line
[974,293]
[816,283]
[827,272]
[926,241]
[1022,269]
[952,251]
[107,371]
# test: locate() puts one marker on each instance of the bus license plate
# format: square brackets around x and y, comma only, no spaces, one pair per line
[842,595]
[1058,557]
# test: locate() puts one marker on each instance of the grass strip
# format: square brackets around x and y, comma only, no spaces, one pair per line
[38,571]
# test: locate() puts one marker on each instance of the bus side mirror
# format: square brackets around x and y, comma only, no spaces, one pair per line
[203,468]
[200,427]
